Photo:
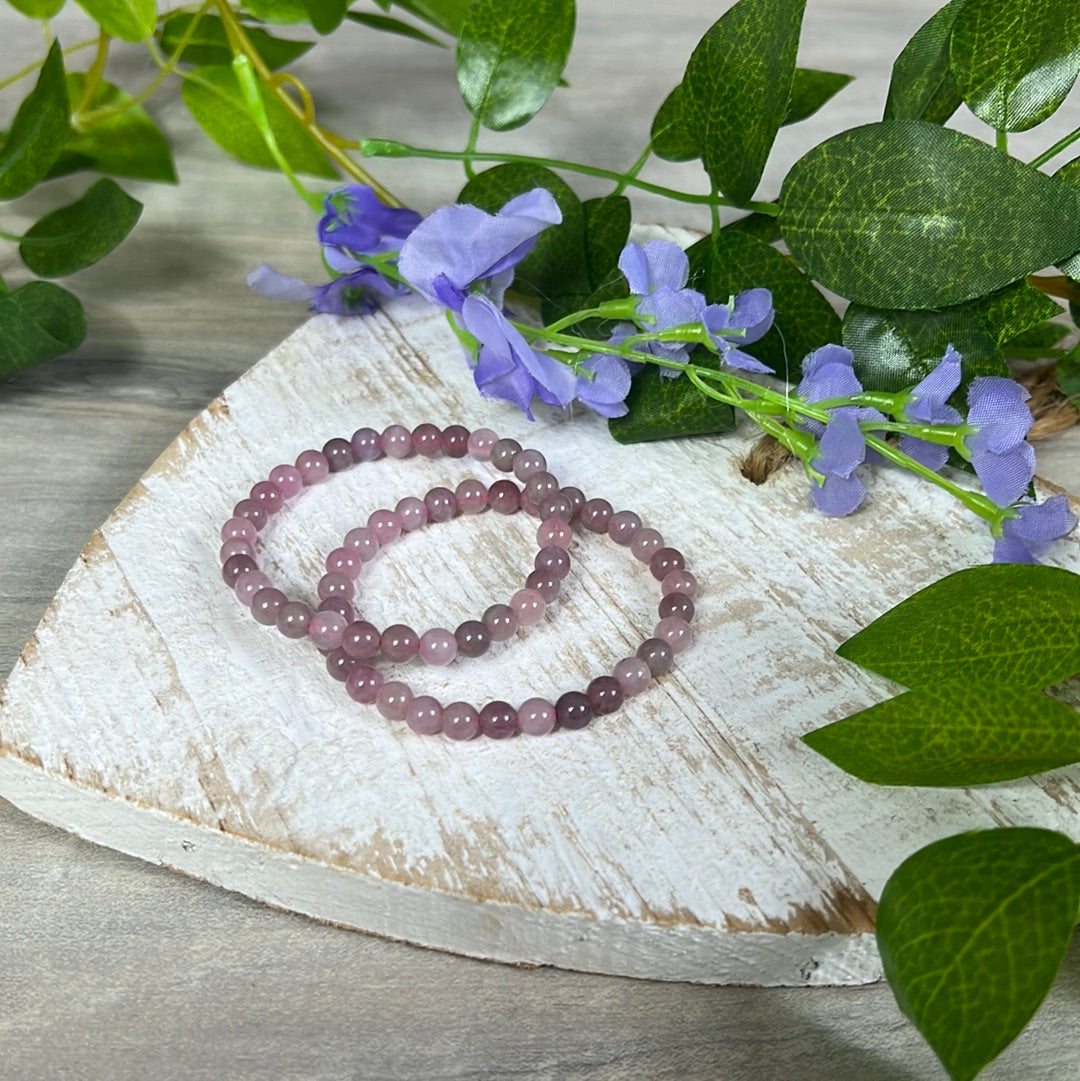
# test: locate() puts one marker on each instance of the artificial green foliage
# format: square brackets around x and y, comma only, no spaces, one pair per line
[972,931]
[510,57]
[1007,624]
[278,12]
[663,407]
[810,90]
[325,15]
[38,321]
[737,88]
[606,228]
[907,214]
[763,227]
[209,43]
[37,9]
[954,733]
[78,235]
[922,86]
[446,15]
[38,132]
[672,137]
[214,97]
[391,26]
[129,20]
[1014,61]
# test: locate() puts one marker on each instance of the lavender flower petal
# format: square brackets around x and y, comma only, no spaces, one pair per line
[997,409]
[605,393]
[356,219]
[932,455]
[838,496]
[658,264]
[268,282]
[927,400]
[828,373]
[1034,527]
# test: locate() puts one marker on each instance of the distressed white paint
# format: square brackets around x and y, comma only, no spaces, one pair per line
[689,836]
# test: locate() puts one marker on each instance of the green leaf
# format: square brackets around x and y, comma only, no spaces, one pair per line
[510,57]
[953,734]
[278,12]
[922,87]
[37,9]
[447,15]
[393,26]
[556,265]
[737,88]
[326,15]
[810,89]
[126,143]
[129,20]
[907,214]
[763,227]
[671,136]
[38,321]
[213,95]
[1000,623]
[209,44]
[81,233]
[1015,61]
[38,131]
[972,931]
[1044,336]
[606,227]
[1069,174]
[732,261]
[662,407]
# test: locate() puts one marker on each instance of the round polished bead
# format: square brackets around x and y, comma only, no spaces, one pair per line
[397,441]
[455,441]
[385,524]
[595,515]
[623,527]
[552,560]
[471,496]
[503,454]
[327,629]
[441,504]
[605,695]
[313,466]
[664,561]
[248,584]
[293,619]
[633,675]
[573,710]
[427,440]
[536,717]
[366,445]
[501,621]
[646,543]
[335,584]
[576,497]
[528,462]
[364,541]
[268,495]
[481,443]
[676,632]
[345,561]
[504,497]
[498,720]
[424,715]
[363,682]
[473,638]
[339,664]
[529,607]
[266,604]
[337,604]
[556,506]
[361,640]
[239,529]
[460,721]
[676,604]
[399,643]
[236,547]
[438,647]
[540,486]
[679,582]
[657,654]
[254,512]
[412,512]
[339,455]
[236,565]
[544,583]
[554,533]
[288,478]
[392,699]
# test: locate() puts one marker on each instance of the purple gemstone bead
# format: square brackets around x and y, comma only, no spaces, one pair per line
[460,721]
[605,695]
[623,527]
[424,715]
[501,621]
[540,486]
[339,664]
[239,529]
[676,604]
[595,515]
[473,638]
[552,560]
[392,699]
[438,647]
[498,720]
[338,454]
[504,497]
[529,607]
[345,561]
[363,682]
[337,604]
[397,441]
[633,675]
[361,640]
[266,604]
[412,512]
[646,543]
[364,541]
[679,582]
[268,495]
[481,443]
[236,565]
[576,497]
[455,441]
[676,632]
[441,504]
[327,629]
[471,496]
[248,584]
[366,445]
[335,584]
[544,583]
[657,654]
[427,440]
[536,717]
[528,462]
[313,466]
[293,619]
[399,643]
[503,454]
[554,532]
[289,479]
[252,511]
[236,547]
[555,506]
[573,710]
[664,561]
[385,524]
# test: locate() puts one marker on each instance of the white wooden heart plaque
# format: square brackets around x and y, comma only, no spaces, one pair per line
[689,836]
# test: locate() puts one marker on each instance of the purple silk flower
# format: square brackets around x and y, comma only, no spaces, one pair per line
[998,420]
[1032,529]
[927,403]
